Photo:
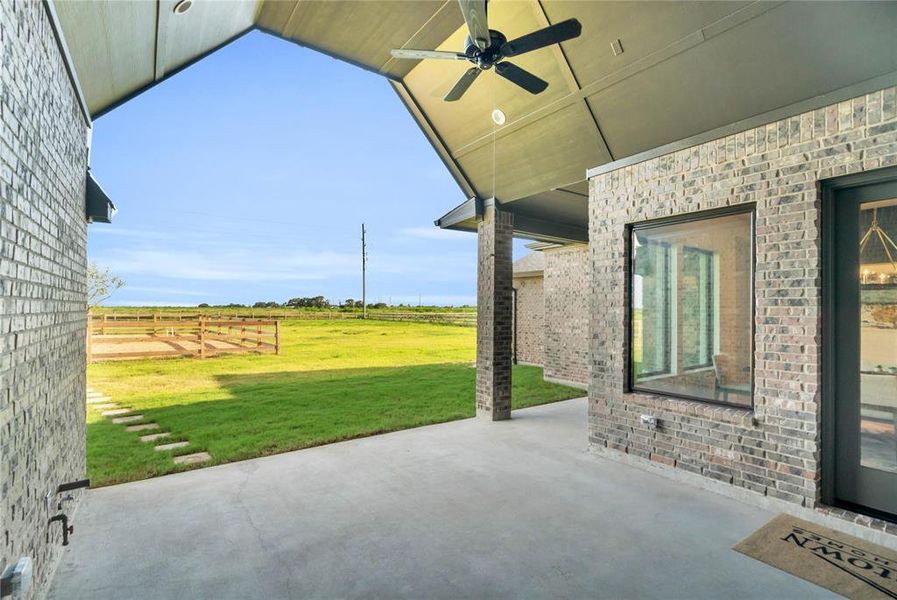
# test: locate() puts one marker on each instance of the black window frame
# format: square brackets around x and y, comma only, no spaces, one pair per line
[750,208]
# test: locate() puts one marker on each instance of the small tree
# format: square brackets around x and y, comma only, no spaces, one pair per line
[101,284]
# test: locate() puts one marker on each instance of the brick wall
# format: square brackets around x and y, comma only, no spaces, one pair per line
[43,160]
[495,313]
[529,319]
[566,289]
[774,449]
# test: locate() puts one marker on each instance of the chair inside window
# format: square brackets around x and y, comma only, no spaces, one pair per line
[729,378]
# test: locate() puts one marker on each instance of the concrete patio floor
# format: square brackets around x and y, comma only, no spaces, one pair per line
[468,509]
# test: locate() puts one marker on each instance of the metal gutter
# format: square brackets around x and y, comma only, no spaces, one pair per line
[464,216]
[466,211]
[846,93]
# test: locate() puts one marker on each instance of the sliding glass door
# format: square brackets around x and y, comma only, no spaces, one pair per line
[864,275]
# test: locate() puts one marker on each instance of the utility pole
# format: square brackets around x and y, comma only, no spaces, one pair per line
[364,266]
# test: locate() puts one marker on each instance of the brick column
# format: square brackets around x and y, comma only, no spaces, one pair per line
[494,313]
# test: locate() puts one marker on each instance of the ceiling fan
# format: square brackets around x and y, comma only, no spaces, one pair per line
[487,48]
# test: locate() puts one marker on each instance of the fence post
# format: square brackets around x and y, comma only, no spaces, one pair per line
[202,339]
[103,327]
[276,337]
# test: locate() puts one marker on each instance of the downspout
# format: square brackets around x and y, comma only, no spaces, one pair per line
[514,326]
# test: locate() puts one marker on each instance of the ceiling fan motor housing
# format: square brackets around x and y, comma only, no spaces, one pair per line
[485,59]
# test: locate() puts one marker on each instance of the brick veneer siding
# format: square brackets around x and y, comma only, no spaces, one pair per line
[43,160]
[567,314]
[495,313]
[774,449]
[529,320]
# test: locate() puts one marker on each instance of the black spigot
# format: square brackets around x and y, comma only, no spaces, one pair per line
[73,485]
[66,528]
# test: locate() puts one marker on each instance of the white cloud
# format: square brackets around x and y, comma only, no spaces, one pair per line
[150,303]
[165,291]
[257,264]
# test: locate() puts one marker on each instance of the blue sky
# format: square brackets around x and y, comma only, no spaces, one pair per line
[247,176]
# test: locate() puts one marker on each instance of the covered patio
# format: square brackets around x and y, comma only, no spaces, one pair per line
[459,510]
[673,112]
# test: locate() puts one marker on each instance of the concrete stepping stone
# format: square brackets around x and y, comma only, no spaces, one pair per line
[116,411]
[105,406]
[142,427]
[153,436]
[192,459]
[171,446]
[99,399]
[128,419]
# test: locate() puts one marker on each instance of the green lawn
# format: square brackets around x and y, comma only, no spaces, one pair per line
[334,380]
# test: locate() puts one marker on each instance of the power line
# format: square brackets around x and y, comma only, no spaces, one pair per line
[364,265]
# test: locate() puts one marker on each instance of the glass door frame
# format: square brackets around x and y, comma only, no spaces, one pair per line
[836,471]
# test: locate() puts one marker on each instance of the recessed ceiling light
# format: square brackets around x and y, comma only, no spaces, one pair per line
[182,6]
[498,117]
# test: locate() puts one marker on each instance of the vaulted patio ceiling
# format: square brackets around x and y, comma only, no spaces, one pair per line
[686,68]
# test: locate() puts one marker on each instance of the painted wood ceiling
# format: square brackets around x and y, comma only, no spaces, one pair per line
[686,68]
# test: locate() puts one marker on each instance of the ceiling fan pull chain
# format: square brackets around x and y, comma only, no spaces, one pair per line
[494,138]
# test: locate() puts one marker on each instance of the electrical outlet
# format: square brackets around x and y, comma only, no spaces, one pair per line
[649,420]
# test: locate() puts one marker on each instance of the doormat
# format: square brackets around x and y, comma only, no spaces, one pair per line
[834,560]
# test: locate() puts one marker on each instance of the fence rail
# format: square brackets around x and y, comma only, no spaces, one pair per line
[115,337]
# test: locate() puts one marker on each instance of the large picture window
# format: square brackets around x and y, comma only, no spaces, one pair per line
[691,312]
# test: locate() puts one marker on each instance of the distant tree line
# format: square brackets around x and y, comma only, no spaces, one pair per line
[302,302]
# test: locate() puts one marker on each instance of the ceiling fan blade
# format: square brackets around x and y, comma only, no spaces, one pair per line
[553,34]
[458,90]
[474,12]
[421,54]
[522,77]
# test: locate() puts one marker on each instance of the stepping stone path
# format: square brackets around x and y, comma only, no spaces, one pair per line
[192,459]
[142,427]
[116,411]
[128,419]
[109,408]
[171,446]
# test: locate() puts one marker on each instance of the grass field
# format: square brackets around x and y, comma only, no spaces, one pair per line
[334,380]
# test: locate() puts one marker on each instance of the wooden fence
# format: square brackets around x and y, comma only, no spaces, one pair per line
[112,337]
